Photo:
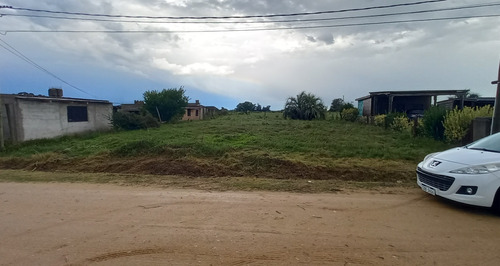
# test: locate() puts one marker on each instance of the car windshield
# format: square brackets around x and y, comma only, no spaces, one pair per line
[490,143]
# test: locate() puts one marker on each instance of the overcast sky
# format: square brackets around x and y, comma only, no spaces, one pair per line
[223,67]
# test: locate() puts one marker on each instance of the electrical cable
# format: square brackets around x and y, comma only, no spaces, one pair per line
[224,17]
[4,32]
[256,22]
[17,53]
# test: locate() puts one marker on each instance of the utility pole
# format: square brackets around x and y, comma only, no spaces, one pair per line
[495,124]
[2,141]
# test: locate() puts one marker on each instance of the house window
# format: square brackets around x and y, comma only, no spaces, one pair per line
[196,112]
[77,114]
[189,112]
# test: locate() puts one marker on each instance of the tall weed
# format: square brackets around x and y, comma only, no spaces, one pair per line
[433,122]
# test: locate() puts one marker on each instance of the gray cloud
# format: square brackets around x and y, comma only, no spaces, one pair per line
[263,66]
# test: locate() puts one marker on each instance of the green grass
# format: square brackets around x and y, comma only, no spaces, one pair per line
[237,144]
[258,133]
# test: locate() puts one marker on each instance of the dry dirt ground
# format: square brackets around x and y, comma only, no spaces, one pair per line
[89,224]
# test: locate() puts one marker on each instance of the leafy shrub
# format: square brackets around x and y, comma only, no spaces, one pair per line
[350,114]
[432,122]
[401,124]
[131,121]
[380,120]
[457,122]
[389,118]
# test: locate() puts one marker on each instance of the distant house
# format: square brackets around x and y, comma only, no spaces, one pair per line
[383,102]
[26,116]
[196,111]
[135,108]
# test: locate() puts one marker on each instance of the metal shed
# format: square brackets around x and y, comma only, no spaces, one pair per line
[383,102]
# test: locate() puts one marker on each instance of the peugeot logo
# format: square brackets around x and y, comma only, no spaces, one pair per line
[434,163]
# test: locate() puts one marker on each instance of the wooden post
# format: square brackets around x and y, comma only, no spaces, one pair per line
[495,124]
[391,99]
[157,111]
[414,127]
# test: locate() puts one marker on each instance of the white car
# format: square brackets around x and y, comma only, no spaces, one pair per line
[469,174]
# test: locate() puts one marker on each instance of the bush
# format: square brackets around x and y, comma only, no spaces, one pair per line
[380,120]
[350,114]
[131,121]
[401,124]
[432,122]
[457,122]
[389,118]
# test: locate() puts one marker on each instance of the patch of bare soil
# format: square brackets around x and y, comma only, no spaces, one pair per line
[88,224]
[190,167]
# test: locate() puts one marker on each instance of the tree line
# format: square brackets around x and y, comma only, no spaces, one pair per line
[307,106]
[169,105]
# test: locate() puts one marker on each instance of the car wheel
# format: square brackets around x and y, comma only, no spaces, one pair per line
[496,203]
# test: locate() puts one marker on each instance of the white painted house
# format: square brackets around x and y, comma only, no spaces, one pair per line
[26,116]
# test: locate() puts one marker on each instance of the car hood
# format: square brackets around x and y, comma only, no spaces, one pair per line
[446,161]
[457,158]
[464,156]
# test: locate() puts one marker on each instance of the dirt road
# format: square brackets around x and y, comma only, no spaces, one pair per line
[87,224]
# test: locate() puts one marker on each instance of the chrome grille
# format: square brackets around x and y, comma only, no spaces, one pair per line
[440,182]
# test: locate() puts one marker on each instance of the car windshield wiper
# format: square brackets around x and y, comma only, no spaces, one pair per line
[483,149]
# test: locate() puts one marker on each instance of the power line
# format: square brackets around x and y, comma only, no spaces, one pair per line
[223,17]
[4,32]
[17,53]
[256,22]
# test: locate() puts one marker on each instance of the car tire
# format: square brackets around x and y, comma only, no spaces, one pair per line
[496,203]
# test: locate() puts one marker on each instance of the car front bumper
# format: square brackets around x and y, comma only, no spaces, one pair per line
[448,186]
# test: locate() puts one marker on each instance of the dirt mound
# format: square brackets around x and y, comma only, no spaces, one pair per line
[195,167]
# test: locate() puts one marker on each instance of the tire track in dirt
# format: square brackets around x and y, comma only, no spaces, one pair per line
[231,259]
[127,253]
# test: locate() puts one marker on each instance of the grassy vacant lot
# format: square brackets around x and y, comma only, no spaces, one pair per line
[259,148]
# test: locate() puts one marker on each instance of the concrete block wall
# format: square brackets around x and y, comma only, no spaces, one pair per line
[481,127]
[44,119]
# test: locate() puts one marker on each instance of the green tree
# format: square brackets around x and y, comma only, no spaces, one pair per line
[245,107]
[347,106]
[168,104]
[337,105]
[305,106]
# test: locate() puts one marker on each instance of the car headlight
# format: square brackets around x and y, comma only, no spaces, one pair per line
[478,169]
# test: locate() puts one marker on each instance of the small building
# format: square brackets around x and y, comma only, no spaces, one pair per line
[383,102]
[451,103]
[135,107]
[26,116]
[196,111]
